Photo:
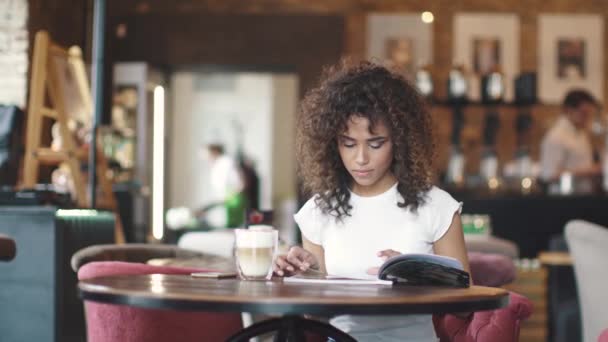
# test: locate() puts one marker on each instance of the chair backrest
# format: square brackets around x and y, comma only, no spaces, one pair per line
[133,252]
[491,244]
[588,245]
[501,325]
[493,325]
[109,322]
[215,242]
[8,249]
[491,269]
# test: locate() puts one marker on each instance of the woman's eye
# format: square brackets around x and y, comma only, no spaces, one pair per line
[348,145]
[376,144]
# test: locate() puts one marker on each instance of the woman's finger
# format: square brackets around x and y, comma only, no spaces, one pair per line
[282,264]
[288,266]
[388,253]
[301,259]
[295,259]
[373,270]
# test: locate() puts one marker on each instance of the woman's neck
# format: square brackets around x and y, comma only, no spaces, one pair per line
[381,186]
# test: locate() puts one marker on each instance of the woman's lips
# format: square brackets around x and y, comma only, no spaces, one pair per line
[362,173]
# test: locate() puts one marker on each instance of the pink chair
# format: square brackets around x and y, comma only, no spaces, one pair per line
[491,269]
[110,322]
[603,336]
[500,325]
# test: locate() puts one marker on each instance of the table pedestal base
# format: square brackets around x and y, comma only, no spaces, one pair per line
[291,329]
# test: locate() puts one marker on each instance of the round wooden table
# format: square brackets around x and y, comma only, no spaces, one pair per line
[290,299]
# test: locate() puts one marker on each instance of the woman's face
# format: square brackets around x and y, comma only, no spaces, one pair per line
[367,156]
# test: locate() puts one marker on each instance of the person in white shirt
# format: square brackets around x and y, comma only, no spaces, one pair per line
[364,150]
[566,147]
[226,207]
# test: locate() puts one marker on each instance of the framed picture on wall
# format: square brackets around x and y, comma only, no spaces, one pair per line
[403,41]
[484,43]
[570,55]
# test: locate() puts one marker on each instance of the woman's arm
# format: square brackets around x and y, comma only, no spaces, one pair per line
[452,243]
[318,252]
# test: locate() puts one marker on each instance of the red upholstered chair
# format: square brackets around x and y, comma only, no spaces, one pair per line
[603,336]
[491,269]
[110,322]
[500,325]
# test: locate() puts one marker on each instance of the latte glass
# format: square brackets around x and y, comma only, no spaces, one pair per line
[255,249]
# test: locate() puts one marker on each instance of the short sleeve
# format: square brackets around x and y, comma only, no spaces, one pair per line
[441,208]
[308,219]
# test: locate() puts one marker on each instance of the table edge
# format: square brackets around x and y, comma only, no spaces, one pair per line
[90,292]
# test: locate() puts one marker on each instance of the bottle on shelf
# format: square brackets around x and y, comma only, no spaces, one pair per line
[489,160]
[424,81]
[493,87]
[457,85]
[455,171]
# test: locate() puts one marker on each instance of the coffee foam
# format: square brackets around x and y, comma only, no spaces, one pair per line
[261,227]
[255,238]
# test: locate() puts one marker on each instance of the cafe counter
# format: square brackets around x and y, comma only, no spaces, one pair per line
[531,220]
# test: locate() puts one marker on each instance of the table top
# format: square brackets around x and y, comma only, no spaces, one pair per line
[183,292]
[555,258]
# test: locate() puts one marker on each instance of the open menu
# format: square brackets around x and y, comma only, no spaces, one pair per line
[404,269]
[329,279]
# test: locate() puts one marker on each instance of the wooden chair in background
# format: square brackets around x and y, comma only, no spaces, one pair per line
[60,74]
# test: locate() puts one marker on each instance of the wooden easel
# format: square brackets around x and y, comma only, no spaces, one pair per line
[46,78]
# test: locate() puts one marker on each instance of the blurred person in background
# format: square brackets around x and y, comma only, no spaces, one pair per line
[566,148]
[227,201]
[251,181]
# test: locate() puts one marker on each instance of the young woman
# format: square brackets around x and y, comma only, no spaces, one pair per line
[364,148]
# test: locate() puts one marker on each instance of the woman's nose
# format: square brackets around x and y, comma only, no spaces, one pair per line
[362,157]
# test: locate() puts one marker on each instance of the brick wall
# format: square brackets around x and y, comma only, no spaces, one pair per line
[13,51]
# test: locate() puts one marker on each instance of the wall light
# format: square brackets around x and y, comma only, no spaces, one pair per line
[158,164]
[427,17]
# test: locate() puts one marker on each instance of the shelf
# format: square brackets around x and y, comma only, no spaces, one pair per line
[445,103]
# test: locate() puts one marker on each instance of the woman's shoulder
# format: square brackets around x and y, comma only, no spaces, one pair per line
[437,197]
[310,207]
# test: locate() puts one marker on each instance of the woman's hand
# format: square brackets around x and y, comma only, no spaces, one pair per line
[385,255]
[297,260]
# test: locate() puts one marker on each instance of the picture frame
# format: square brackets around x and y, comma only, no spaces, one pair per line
[402,41]
[570,58]
[485,42]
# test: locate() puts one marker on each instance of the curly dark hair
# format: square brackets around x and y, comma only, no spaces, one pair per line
[374,92]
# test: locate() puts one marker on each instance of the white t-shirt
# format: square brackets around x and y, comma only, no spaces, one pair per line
[377,223]
[564,147]
[225,180]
